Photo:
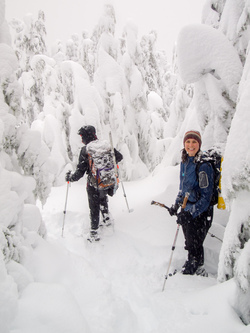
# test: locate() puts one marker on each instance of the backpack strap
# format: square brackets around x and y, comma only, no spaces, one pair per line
[202,177]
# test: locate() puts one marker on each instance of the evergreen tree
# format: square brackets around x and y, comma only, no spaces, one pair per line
[30,38]
[16,189]
[87,57]
[149,62]
[234,262]
[72,48]
[212,77]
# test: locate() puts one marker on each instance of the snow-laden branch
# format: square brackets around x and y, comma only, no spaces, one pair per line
[202,49]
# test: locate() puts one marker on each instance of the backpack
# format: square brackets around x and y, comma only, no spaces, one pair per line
[214,158]
[102,170]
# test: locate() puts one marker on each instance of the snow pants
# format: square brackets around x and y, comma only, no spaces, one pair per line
[98,202]
[195,232]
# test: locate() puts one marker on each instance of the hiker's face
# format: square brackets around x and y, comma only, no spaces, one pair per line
[191,146]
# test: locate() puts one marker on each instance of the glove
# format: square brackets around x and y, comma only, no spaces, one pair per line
[183,217]
[68,176]
[173,210]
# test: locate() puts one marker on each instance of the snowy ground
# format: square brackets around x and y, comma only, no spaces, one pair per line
[115,286]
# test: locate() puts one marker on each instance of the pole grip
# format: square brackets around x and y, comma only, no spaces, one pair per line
[185,200]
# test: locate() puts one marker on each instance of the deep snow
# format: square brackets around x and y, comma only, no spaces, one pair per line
[115,285]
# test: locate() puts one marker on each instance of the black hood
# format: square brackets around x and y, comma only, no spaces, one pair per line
[88,134]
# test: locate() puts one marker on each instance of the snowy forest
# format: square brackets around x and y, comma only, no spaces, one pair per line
[125,85]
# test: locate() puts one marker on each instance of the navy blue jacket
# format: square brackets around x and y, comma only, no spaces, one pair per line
[199,187]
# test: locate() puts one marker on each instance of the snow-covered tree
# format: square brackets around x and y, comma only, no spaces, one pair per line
[235,255]
[30,38]
[87,57]
[216,71]
[149,65]
[72,48]
[111,83]
[233,21]
[20,220]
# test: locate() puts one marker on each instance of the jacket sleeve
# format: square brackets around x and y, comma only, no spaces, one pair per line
[206,183]
[118,156]
[82,166]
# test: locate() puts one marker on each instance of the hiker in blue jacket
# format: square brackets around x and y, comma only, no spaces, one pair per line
[196,218]
[98,199]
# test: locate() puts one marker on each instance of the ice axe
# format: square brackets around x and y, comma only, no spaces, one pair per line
[159,204]
[164,206]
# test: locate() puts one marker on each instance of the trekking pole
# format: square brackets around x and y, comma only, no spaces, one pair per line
[124,194]
[174,243]
[116,169]
[213,235]
[64,212]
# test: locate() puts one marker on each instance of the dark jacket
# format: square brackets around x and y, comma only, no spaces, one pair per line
[199,187]
[83,164]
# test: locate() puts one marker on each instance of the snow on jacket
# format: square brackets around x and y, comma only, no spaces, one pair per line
[200,188]
[83,164]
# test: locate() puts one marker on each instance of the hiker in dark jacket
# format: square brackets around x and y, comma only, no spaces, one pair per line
[98,199]
[196,218]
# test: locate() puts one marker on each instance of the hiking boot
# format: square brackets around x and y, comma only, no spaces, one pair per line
[107,221]
[201,271]
[190,267]
[93,236]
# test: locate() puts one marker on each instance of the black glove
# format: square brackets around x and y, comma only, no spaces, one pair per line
[173,210]
[68,176]
[183,217]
